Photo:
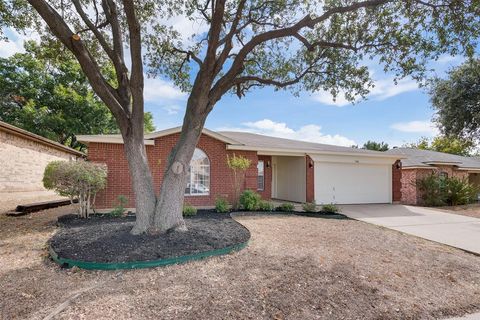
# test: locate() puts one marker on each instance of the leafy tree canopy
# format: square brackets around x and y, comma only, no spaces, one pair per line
[445,144]
[45,92]
[377,146]
[456,100]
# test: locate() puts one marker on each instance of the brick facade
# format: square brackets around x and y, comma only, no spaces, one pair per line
[310,179]
[221,177]
[397,181]
[23,161]
[266,193]
[409,178]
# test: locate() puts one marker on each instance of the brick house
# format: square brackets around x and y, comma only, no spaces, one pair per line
[416,164]
[23,157]
[281,169]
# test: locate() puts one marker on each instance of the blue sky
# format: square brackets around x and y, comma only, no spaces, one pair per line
[396,114]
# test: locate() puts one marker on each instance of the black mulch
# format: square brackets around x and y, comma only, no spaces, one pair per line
[320,214]
[107,239]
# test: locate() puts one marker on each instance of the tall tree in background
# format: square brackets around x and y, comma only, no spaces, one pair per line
[456,100]
[453,145]
[376,146]
[303,45]
[45,92]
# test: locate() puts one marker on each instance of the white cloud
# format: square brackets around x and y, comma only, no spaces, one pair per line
[310,132]
[383,89]
[417,126]
[8,48]
[158,90]
[172,109]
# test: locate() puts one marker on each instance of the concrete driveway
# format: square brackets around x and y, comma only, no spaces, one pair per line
[450,229]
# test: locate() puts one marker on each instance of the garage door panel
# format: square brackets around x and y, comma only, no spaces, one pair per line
[344,183]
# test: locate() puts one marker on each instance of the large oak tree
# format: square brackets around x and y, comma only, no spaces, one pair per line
[305,45]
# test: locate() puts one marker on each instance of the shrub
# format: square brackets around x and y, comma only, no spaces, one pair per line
[221,205]
[189,210]
[459,192]
[266,206]
[239,165]
[431,189]
[330,208]
[436,190]
[286,207]
[249,200]
[309,206]
[120,207]
[76,179]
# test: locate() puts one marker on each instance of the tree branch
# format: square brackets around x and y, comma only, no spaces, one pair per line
[91,69]
[137,79]
[224,83]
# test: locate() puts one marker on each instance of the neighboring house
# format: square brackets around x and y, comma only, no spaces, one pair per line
[420,163]
[281,169]
[23,157]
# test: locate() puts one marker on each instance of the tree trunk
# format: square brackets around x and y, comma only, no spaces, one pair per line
[142,183]
[168,214]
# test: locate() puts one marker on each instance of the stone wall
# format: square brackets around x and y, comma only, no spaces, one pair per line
[23,161]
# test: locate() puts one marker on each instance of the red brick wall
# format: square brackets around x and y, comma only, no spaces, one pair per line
[221,177]
[409,189]
[310,190]
[266,193]
[397,181]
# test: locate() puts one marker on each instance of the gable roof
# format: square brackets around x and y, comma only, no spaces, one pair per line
[251,142]
[205,131]
[428,158]
[39,139]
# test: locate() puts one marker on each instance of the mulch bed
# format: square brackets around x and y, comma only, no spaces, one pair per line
[103,238]
[320,214]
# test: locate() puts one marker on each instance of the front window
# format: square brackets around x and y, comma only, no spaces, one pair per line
[198,178]
[261,175]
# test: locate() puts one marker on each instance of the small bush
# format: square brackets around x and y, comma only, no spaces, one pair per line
[309,206]
[120,208]
[250,200]
[459,192]
[436,190]
[330,208]
[286,207]
[221,205]
[266,206]
[432,190]
[189,210]
[76,179]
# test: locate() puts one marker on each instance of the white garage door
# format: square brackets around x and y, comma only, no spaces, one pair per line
[349,183]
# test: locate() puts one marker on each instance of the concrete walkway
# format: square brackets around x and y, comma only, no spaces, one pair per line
[450,229]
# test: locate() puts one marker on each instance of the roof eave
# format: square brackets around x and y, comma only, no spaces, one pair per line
[213,134]
[35,137]
[279,151]
[93,139]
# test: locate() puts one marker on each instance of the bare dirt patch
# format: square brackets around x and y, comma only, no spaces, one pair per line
[469,210]
[294,268]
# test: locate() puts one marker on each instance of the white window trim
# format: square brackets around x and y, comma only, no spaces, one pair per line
[263,176]
[190,194]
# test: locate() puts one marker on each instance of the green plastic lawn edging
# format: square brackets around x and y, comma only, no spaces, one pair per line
[68,263]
